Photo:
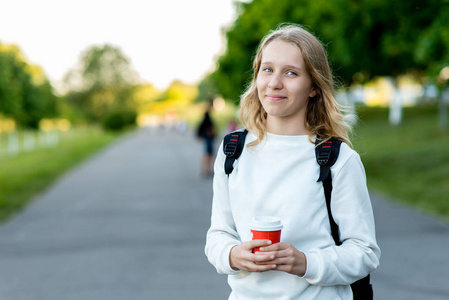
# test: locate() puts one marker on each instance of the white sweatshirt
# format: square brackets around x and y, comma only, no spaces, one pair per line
[278,178]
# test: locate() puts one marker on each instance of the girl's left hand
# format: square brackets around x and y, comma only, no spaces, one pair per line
[286,258]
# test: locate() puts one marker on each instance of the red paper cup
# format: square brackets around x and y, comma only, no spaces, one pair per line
[266,228]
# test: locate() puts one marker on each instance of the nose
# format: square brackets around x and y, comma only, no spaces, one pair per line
[275,82]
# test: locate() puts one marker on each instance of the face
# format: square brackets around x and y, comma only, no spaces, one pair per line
[283,84]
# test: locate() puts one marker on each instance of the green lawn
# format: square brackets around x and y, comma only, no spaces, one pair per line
[24,176]
[409,162]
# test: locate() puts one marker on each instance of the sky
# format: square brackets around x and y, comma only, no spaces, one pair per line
[165,40]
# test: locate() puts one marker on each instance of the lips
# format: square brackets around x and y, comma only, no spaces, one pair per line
[276,98]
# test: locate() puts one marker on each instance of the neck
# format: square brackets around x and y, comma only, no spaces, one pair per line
[287,127]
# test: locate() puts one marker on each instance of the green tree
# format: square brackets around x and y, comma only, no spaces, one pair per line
[12,74]
[432,51]
[26,95]
[103,81]
[364,38]
[206,90]
[234,67]
[383,37]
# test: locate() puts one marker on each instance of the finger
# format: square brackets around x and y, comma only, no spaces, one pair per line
[285,256]
[275,247]
[274,259]
[257,263]
[259,257]
[275,253]
[267,263]
[283,261]
[253,244]
[260,267]
[259,243]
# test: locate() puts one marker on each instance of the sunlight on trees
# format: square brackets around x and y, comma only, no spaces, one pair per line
[26,95]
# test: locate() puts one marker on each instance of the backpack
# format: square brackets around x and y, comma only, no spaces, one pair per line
[326,154]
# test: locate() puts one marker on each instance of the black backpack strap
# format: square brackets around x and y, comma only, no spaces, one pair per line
[326,155]
[233,144]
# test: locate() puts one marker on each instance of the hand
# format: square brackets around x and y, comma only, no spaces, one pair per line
[242,258]
[285,257]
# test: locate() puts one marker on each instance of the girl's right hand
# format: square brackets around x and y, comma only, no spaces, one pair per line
[241,257]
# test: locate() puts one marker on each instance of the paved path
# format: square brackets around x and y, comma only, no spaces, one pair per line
[415,254]
[130,224]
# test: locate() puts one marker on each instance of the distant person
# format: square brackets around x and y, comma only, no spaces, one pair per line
[289,103]
[207,132]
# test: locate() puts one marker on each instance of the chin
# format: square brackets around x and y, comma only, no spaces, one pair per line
[275,114]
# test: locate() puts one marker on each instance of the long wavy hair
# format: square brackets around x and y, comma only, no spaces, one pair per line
[324,115]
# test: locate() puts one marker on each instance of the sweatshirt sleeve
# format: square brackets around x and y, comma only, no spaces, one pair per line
[351,208]
[222,235]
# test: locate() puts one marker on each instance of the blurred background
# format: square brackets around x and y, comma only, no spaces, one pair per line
[115,92]
[75,76]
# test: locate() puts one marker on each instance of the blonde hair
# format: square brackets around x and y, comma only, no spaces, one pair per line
[324,116]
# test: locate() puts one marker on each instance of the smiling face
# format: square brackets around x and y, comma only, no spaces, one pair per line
[284,87]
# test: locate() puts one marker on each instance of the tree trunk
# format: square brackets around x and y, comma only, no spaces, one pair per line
[443,99]
[395,113]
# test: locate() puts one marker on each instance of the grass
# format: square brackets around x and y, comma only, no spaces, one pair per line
[24,176]
[409,162]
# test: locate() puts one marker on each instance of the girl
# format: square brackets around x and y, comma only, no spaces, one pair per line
[288,104]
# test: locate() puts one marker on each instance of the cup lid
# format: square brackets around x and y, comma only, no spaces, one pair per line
[265,223]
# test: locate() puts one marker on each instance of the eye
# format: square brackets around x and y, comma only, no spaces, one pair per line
[269,70]
[291,73]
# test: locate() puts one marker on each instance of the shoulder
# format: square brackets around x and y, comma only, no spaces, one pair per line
[347,159]
[347,153]
[346,150]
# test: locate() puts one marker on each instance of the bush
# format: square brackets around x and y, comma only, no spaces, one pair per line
[118,120]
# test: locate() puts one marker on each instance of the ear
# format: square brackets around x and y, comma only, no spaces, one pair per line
[312,92]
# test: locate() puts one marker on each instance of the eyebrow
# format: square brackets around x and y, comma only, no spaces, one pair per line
[286,66]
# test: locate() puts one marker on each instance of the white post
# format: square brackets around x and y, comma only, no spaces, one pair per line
[42,138]
[54,137]
[28,141]
[13,143]
[395,112]
[442,108]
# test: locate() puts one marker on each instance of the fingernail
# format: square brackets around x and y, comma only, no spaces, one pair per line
[269,242]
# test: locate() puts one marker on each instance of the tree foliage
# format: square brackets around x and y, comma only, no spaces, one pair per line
[103,82]
[26,94]
[432,49]
[382,37]
[363,38]
[175,99]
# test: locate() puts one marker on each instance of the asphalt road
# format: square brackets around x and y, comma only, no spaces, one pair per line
[130,224]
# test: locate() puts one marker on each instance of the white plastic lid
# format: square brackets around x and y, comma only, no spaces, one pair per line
[265,223]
